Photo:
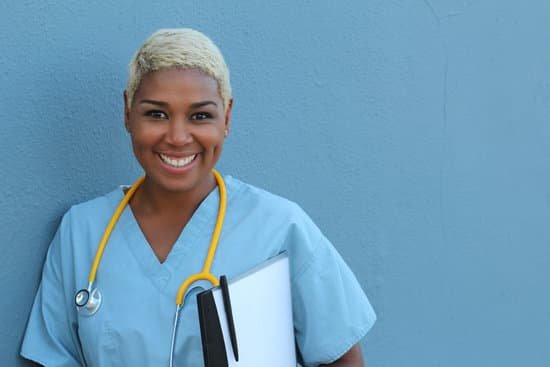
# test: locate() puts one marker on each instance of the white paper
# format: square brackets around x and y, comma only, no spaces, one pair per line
[262,314]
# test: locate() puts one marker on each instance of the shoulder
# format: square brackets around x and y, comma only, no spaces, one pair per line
[95,209]
[83,223]
[275,219]
[259,201]
[103,202]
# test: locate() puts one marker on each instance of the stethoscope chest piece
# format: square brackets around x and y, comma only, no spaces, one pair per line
[87,302]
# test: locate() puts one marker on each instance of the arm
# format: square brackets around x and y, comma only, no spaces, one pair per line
[330,310]
[50,338]
[352,358]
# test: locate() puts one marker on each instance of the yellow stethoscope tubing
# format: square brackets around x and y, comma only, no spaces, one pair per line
[110,226]
[204,274]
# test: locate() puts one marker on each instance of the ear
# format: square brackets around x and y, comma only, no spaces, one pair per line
[228,115]
[126,111]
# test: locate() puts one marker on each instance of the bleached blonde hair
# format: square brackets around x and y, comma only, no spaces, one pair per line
[182,48]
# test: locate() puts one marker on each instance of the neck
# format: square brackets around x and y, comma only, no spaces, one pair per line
[152,199]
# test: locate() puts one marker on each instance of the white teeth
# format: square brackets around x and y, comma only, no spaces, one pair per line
[177,162]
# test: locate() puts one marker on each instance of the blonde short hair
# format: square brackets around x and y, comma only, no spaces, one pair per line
[179,48]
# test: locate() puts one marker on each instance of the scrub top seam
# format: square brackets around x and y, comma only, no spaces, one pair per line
[306,266]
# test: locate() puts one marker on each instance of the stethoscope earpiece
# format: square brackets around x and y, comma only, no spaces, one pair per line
[87,303]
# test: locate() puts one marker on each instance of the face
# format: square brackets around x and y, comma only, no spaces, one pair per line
[177,124]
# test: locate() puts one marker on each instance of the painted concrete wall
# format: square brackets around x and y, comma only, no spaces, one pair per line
[414,132]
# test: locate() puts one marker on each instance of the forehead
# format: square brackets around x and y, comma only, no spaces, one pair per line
[180,84]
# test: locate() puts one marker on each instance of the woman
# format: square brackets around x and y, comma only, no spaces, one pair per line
[178,113]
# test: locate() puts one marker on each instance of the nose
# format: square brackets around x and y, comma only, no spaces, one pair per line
[179,132]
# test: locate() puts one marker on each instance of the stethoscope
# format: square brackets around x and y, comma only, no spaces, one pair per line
[88,300]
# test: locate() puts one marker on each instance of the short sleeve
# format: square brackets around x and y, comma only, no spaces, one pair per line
[50,338]
[331,311]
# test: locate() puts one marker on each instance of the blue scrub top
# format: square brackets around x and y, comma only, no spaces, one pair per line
[134,324]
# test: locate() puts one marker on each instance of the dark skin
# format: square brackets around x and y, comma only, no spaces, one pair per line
[177,114]
[162,221]
[180,126]
[352,358]
[162,209]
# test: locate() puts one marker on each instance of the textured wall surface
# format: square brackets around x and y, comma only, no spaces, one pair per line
[415,133]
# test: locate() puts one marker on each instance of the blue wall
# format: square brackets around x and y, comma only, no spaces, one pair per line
[414,132]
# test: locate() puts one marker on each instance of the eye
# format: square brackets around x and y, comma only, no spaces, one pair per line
[157,115]
[199,116]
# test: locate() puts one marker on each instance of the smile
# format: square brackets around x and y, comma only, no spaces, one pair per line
[177,162]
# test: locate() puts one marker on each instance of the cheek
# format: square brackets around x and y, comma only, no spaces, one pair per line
[137,149]
[218,145]
[137,142]
[217,151]
[212,138]
[144,135]
[141,146]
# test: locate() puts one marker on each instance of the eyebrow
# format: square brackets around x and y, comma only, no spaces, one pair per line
[203,103]
[193,105]
[151,101]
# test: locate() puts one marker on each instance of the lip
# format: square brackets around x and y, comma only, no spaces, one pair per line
[177,170]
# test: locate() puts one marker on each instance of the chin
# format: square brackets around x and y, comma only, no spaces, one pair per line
[190,182]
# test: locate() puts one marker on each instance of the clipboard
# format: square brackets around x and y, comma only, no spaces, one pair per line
[247,321]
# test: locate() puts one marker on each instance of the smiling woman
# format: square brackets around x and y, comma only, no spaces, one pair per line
[178,113]
[178,125]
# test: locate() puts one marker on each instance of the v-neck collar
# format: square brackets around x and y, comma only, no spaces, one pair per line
[197,232]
